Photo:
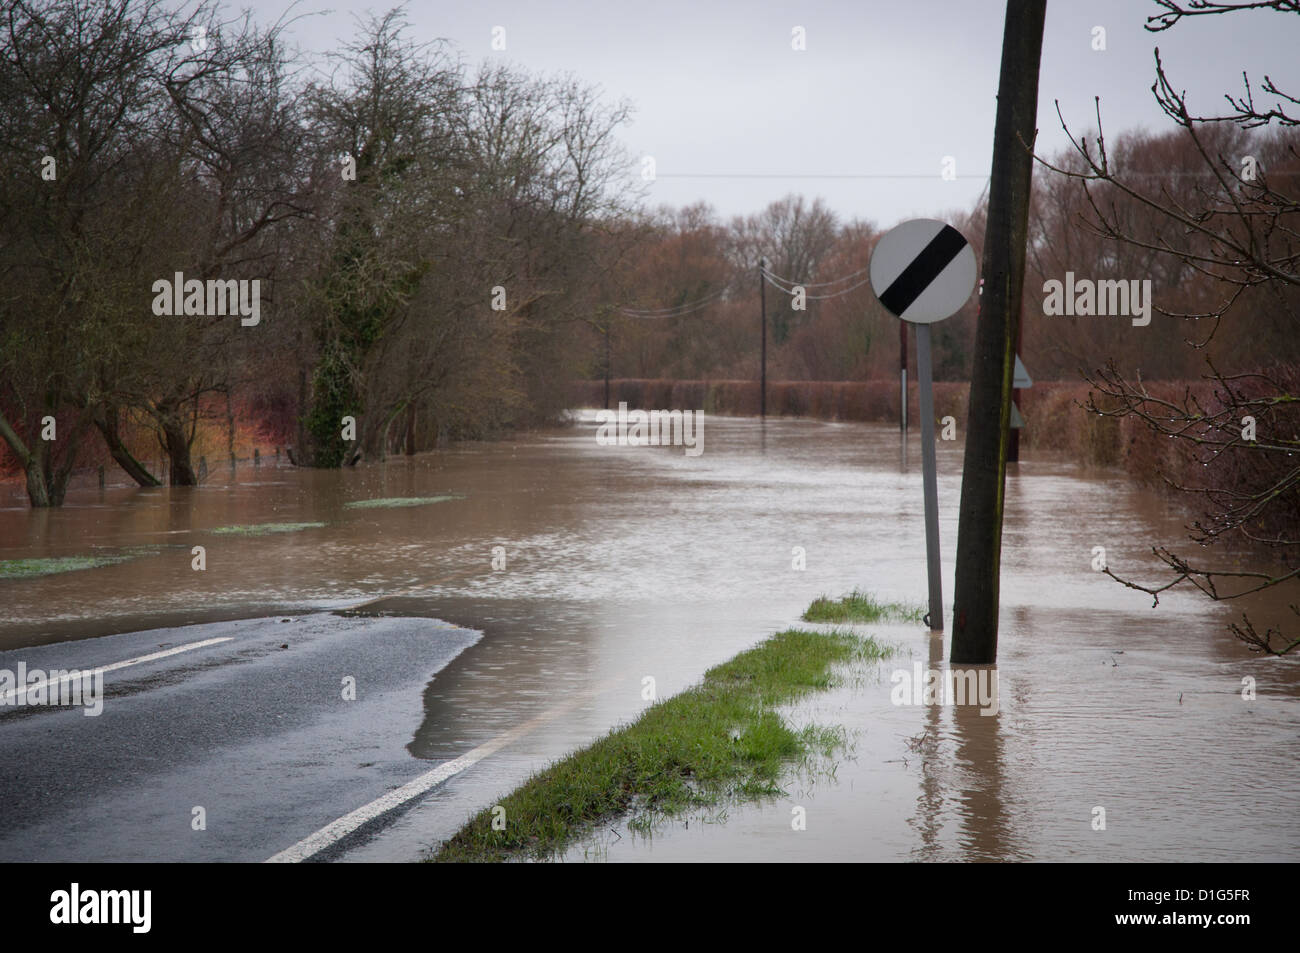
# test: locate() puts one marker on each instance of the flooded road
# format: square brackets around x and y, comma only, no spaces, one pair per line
[622,563]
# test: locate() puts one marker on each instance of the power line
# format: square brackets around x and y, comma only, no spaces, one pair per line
[919,176]
[677,311]
[813,284]
[700,303]
[806,175]
[836,294]
[676,307]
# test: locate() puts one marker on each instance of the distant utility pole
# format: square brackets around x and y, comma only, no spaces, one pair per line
[608,319]
[983,484]
[762,321]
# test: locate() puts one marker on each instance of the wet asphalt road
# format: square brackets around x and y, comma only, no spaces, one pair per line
[254,730]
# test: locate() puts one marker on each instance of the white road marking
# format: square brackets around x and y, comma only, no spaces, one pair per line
[7,698]
[345,825]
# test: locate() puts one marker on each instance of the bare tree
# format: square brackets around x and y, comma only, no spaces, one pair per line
[796,237]
[469,244]
[1236,224]
[80,82]
[138,141]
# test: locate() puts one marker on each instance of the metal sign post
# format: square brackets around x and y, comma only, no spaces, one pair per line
[902,389]
[924,271]
[929,476]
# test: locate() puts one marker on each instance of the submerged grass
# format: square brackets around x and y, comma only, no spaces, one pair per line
[30,568]
[397,501]
[718,740]
[859,606]
[264,529]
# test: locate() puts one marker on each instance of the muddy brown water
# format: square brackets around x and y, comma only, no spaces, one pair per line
[624,563]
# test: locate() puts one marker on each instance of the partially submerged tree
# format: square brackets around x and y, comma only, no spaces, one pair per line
[136,141]
[80,84]
[456,261]
[426,242]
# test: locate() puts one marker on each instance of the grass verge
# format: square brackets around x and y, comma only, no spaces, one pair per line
[859,606]
[718,740]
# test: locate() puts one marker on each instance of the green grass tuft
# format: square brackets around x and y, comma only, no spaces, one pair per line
[859,606]
[398,501]
[31,568]
[718,740]
[28,568]
[265,529]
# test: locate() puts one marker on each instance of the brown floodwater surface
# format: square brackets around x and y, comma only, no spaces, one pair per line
[630,562]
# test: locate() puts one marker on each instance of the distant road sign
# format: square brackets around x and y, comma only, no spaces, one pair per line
[1022,379]
[1017,422]
[923,270]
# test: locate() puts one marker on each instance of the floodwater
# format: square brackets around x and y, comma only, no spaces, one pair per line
[627,563]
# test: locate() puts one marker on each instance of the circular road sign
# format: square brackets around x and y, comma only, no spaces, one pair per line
[923,270]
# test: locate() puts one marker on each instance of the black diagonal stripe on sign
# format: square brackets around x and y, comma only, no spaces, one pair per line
[925,267]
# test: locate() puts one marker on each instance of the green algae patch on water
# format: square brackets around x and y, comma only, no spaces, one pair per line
[393,501]
[265,529]
[52,565]
[717,742]
[859,606]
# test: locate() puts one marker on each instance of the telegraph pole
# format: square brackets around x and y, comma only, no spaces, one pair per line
[983,485]
[762,307]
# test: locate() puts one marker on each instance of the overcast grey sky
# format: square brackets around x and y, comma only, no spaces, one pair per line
[884,89]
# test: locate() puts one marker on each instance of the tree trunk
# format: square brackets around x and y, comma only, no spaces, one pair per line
[410,430]
[230,427]
[979,526]
[176,444]
[180,469]
[38,491]
[57,476]
[42,489]
[106,424]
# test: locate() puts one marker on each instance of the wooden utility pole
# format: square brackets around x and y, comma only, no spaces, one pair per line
[762,307]
[979,524]
[607,321]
